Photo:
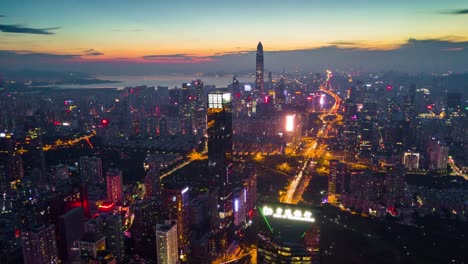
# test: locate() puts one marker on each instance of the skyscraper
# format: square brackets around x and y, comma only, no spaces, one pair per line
[110,226]
[39,245]
[177,203]
[114,186]
[219,128]
[166,243]
[259,68]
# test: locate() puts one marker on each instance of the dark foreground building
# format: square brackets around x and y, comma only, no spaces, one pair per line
[288,234]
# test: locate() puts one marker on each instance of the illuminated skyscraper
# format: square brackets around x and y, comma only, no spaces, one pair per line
[259,68]
[114,186]
[178,205]
[166,243]
[219,128]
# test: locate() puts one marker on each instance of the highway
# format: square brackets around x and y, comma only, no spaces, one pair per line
[298,185]
[456,171]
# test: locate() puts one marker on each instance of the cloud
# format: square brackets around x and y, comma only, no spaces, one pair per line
[340,42]
[456,12]
[92,52]
[413,56]
[26,30]
[175,58]
[2,16]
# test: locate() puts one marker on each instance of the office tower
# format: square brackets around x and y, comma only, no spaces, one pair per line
[39,245]
[90,244]
[110,226]
[70,228]
[411,160]
[152,179]
[166,243]
[91,170]
[177,203]
[437,152]
[10,162]
[147,213]
[199,121]
[335,181]
[219,128]
[259,69]
[114,186]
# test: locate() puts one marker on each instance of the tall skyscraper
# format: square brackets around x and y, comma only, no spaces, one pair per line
[166,243]
[91,170]
[219,126]
[114,186]
[39,246]
[177,203]
[259,68]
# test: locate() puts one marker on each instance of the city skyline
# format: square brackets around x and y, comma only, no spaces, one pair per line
[182,36]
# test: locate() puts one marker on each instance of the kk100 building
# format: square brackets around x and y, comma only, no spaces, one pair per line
[288,234]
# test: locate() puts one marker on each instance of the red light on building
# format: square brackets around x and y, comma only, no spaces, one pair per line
[266,99]
[105,122]
[429,107]
[389,87]
[309,98]
[56,123]
[17,233]
[106,207]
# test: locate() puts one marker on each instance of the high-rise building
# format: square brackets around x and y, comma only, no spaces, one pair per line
[219,128]
[166,243]
[70,228]
[110,226]
[259,83]
[147,213]
[437,152]
[335,181]
[114,186]
[411,160]
[39,245]
[91,170]
[152,178]
[91,243]
[177,203]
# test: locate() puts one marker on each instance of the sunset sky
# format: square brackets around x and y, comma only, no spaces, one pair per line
[209,31]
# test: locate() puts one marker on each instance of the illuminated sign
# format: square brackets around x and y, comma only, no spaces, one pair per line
[286,213]
[184,190]
[236,205]
[247,88]
[290,123]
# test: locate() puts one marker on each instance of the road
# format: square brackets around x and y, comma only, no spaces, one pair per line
[456,171]
[297,187]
